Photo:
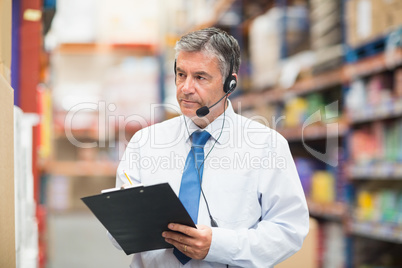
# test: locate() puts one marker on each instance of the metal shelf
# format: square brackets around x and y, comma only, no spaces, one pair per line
[332,211]
[99,48]
[312,132]
[380,231]
[81,168]
[375,171]
[372,65]
[384,111]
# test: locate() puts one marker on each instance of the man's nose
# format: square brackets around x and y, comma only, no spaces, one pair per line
[188,85]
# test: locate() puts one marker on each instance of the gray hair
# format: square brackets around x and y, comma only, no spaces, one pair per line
[215,42]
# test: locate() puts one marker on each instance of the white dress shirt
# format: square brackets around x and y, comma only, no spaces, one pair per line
[250,183]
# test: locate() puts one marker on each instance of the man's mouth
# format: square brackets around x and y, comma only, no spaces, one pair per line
[188,101]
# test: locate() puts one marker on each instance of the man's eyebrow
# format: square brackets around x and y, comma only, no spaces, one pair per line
[201,73]
[179,69]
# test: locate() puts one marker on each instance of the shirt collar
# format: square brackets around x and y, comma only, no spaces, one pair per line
[214,128]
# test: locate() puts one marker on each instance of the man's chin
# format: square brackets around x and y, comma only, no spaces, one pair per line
[188,112]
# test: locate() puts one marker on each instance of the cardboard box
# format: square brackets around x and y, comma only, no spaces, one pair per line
[5,38]
[367,20]
[307,256]
[7,230]
[363,21]
[393,11]
[7,218]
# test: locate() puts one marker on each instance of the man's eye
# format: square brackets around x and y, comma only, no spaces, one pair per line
[200,78]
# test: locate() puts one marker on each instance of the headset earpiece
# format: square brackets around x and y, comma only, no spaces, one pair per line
[175,72]
[230,81]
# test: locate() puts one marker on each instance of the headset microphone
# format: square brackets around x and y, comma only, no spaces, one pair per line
[204,110]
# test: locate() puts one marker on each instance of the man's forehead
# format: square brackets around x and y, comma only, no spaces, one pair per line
[197,55]
[202,61]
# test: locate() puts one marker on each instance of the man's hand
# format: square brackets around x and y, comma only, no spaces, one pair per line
[193,242]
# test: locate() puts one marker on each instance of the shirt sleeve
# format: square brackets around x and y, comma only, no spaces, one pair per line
[283,226]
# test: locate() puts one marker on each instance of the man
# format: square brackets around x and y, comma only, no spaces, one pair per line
[247,199]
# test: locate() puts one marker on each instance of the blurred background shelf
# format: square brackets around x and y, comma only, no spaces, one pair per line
[331,211]
[216,10]
[140,49]
[373,64]
[381,231]
[81,168]
[375,171]
[317,82]
[313,132]
[391,109]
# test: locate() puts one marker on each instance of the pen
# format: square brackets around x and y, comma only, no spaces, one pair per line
[128,178]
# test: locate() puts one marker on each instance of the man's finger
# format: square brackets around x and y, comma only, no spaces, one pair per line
[189,231]
[124,186]
[186,249]
[180,238]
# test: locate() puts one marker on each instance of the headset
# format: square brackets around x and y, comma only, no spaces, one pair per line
[228,87]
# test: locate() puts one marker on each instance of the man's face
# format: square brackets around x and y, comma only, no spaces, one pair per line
[199,83]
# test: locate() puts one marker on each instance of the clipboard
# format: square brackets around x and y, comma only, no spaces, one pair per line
[136,217]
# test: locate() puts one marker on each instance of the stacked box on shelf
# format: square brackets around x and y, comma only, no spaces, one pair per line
[326,33]
[377,147]
[321,183]
[367,23]
[360,22]
[325,23]
[333,245]
[391,14]
[264,37]
[377,208]
[267,42]
[374,106]
[372,97]
[301,108]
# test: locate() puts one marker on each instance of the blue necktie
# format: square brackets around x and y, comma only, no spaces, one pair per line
[190,188]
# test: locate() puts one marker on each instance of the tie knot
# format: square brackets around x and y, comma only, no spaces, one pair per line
[200,138]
